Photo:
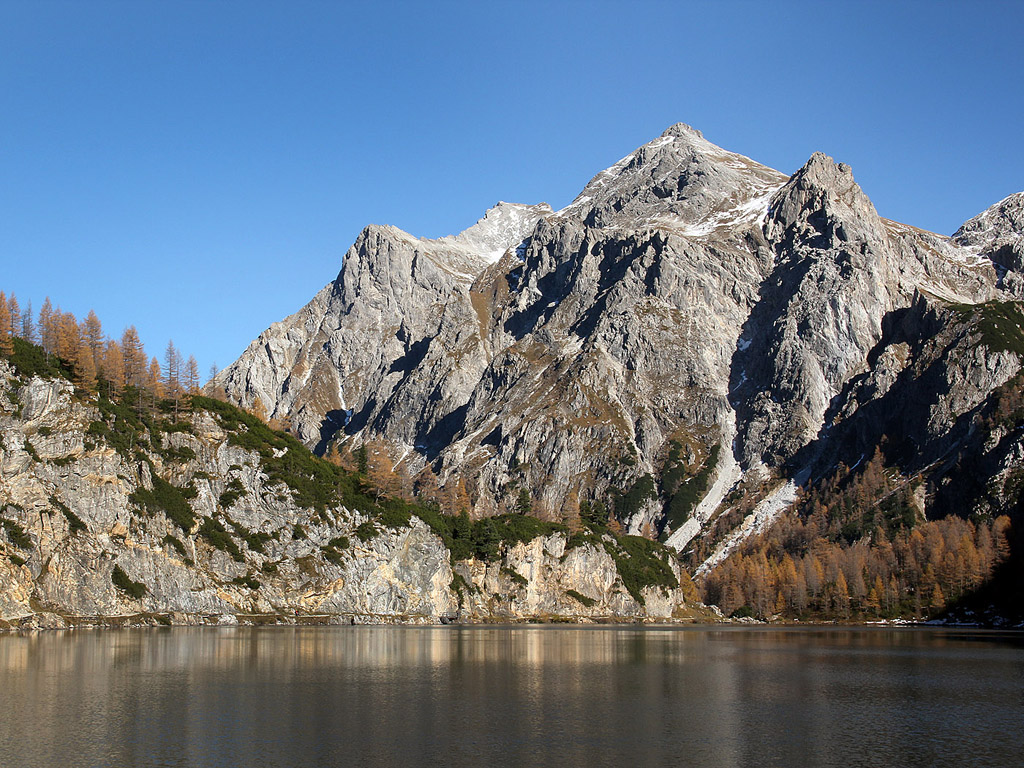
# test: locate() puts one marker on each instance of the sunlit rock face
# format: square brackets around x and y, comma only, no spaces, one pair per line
[688,297]
[75,512]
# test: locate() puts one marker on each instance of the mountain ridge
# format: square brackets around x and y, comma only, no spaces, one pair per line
[687,298]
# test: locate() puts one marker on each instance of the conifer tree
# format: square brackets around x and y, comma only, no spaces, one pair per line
[113,366]
[154,381]
[172,371]
[381,470]
[15,312]
[28,326]
[6,342]
[47,327]
[92,337]
[134,357]
[192,375]
[68,335]
[259,410]
[85,369]
[427,487]
[456,498]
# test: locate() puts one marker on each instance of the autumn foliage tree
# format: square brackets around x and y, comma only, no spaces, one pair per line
[6,330]
[97,363]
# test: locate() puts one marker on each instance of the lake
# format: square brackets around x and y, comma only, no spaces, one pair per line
[516,696]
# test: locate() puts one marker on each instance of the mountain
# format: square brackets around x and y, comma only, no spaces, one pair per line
[695,334]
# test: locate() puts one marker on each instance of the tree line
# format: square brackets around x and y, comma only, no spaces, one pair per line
[97,359]
[857,546]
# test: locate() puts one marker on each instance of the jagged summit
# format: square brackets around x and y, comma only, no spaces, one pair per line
[503,226]
[680,180]
[681,130]
[997,232]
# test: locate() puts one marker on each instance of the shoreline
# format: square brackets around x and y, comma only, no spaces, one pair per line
[42,622]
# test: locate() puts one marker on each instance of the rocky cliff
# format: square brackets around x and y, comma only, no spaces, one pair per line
[695,334]
[118,508]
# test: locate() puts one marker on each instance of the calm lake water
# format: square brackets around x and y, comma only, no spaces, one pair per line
[517,696]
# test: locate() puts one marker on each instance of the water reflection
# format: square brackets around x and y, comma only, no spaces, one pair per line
[510,696]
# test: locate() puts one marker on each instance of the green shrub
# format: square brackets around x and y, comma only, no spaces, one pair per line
[394,514]
[232,493]
[312,482]
[169,499]
[684,492]
[123,581]
[31,360]
[31,451]
[179,455]
[247,581]
[16,534]
[75,524]
[332,550]
[629,503]
[366,531]
[174,542]
[217,535]
[587,602]
[516,577]
[299,533]
[18,561]
[484,538]
[641,563]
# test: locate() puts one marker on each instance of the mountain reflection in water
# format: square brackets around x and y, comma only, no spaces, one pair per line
[468,696]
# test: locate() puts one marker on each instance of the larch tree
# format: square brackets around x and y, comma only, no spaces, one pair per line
[6,341]
[85,369]
[134,357]
[381,470]
[456,497]
[113,366]
[172,371]
[259,410]
[570,512]
[68,335]
[92,337]
[192,376]
[154,381]
[15,312]
[47,327]
[28,325]
[427,487]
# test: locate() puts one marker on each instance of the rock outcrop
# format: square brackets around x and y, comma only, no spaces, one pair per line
[110,512]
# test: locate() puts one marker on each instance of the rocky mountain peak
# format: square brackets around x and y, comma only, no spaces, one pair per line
[681,181]
[823,196]
[503,226]
[997,232]
[682,130]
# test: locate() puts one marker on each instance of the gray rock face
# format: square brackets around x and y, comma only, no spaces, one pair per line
[688,297]
[998,234]
[69,517]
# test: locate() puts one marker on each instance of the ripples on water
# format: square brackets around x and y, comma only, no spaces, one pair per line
[517,696]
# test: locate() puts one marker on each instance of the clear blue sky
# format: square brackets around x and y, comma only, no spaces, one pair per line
[199,168]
